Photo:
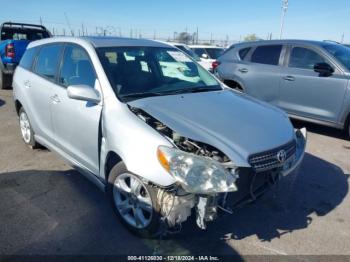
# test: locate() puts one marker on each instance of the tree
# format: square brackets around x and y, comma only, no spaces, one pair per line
[251,37]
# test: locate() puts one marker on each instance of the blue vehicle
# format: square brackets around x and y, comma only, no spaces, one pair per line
[14,38]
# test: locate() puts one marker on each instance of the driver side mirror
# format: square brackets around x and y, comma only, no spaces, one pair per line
[84,93]
[324,69]
[205,56]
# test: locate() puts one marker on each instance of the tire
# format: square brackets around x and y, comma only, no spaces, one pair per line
[139,211]
[26,129]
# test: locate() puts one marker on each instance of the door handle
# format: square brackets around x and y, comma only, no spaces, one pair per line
[243,70]
[289,78]
[27,84]
[55,99]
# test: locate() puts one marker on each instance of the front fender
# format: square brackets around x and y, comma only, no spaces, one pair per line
[135,142]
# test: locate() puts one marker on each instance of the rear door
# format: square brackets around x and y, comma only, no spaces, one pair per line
[260,73]
[38,88]
[304,92]
[76,122]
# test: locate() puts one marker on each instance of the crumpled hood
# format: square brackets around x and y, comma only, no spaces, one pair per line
[233,123]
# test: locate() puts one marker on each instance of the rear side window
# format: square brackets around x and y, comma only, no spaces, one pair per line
[214,53]
[27,59]
[200,51]
[304,58]
[268,55]
[47,62]
[76,67]
[23,34]
[243,52]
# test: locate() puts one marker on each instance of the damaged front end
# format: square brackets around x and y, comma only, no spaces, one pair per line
[206,176]
[202,177]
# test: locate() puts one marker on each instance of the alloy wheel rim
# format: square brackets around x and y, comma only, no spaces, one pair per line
[132,200]
[25,127]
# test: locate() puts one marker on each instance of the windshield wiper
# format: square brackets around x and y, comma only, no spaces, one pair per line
[180,91]
[204,89]
[195,90]
[141,95]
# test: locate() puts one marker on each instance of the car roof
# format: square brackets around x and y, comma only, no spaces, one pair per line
[171,43]
[175,43]
[100,41]
[205,46]
[282,42]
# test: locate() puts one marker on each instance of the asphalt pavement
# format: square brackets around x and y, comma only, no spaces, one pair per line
[48,208]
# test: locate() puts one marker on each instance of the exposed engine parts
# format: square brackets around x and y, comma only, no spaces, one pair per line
[176,205]
[206,210]
[175,208]
[183,143]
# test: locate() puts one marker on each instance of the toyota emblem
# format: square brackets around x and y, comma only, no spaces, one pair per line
[281,156]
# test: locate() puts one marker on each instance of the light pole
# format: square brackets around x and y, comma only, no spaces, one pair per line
[284,11]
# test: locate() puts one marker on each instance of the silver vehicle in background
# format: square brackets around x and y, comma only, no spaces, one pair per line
[307,79]
[153,129]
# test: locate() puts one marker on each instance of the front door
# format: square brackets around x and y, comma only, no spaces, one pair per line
[304,92]
[76,122]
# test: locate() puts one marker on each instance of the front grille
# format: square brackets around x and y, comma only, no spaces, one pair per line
[250,186]
[268,160]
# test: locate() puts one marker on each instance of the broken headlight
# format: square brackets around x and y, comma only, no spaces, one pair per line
[197,174]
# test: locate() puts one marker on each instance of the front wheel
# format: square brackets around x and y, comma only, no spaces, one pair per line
[134,202]
[26,129]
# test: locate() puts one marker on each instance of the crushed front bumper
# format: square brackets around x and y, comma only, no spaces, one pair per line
[250,185]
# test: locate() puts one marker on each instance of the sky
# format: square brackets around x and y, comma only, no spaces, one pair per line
[232,19]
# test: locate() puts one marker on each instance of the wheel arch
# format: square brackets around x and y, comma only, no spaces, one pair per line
[112,159]
[18,106]
[234,84]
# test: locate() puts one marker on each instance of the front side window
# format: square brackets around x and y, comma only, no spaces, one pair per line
[304,58]
[137,72]
[268,54]
[27,59]
[340,52]
[76,67]
[47,62]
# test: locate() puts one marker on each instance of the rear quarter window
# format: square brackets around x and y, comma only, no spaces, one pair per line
[243,52]
[28,58]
